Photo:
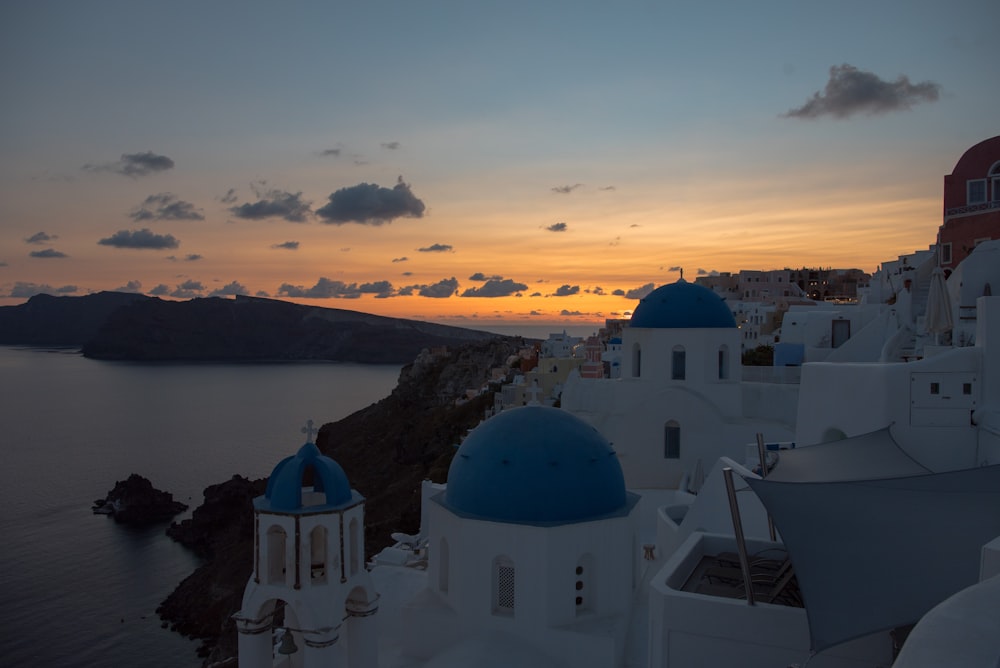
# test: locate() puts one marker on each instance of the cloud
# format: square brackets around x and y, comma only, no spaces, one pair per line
[400,259]
[564,312]
[640,292]
[131,286]
[160,290]
[274,203]
[189,289]
[325,288]
[852,91]
[47,253]
[676,268]
[565,190]
[25,289]
[143,238]
[390,145]
[480,276]
[444,288]
[330,152]
[566,290]
[371,204]
[229,290]
[596,290]
[288,245]
[2,263]
[496,288]
[40,238]
[229,197]
[608,188]
[381,289]
[707,272]
[535,294]
[134,164]
[556,227]
[437,248]
[614,242]
[165,206]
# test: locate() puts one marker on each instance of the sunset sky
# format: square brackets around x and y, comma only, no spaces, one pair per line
[465,162]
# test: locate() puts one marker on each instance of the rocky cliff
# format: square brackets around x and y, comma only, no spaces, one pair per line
[386,449]
[45,320]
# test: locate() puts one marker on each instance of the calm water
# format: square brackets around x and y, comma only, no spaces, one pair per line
[80,590]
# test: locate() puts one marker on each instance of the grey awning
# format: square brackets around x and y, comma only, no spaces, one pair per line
[873,455]
[871,555]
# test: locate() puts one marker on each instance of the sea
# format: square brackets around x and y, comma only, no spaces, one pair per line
[79,589]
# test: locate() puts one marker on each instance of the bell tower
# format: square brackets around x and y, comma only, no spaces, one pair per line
[309,583]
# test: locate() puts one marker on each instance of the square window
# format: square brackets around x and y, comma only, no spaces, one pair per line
[976,191]
[935,388]
[966,388]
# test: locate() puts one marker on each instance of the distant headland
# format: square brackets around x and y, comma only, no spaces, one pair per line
[125,326]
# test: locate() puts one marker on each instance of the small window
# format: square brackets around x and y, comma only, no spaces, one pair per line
[503,585]
[996,188]
[672,440]
[935,388]
[966,388]
[636,360]
[946,253]
[976,191]
[678,360]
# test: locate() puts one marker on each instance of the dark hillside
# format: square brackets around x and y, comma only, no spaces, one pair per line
[45,320]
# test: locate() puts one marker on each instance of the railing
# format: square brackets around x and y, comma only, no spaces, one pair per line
[972,208]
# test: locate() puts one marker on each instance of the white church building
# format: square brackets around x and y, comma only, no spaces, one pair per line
[680,403]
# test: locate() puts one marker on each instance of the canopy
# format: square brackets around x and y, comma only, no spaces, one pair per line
[871,555]
[872,455]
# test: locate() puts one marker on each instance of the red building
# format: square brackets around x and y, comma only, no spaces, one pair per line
[971,203]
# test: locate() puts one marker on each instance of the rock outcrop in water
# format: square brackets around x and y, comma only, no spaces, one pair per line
[386,449]
[136,502]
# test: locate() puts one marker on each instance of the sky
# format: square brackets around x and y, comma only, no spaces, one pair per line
[475,162]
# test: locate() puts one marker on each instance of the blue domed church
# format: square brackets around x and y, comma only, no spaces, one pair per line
[309,567]
[680,402]
[533,539]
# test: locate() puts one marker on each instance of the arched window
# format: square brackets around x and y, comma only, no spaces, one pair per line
[276,539]
[678,361]
[353,533]
[583,586]
[443,565]
[317,555]
[723,362]
[672,440]
[636,360]
[503,585]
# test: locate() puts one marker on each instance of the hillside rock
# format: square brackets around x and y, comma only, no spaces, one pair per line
[251,328]
[45,320]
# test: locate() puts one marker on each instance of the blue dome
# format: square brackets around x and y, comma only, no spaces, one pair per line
[682,305]
[535,465]
[284,487]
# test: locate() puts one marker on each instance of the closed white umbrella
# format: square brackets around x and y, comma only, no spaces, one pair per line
[938,313]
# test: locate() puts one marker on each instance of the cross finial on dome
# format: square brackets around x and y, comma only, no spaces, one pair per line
[682,273]
[309,431]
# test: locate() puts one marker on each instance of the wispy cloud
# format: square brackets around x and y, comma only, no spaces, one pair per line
[390,145]
[565,190]
[273,203]
[496,288]
[851,91]
[40,238]
[371,204]
[557,227]
[144,238]
[400,259]
[23,289]
[566,290]
[288,245]
[326,288]
[436,248]
[134,164]
[165,206]
[47,253]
